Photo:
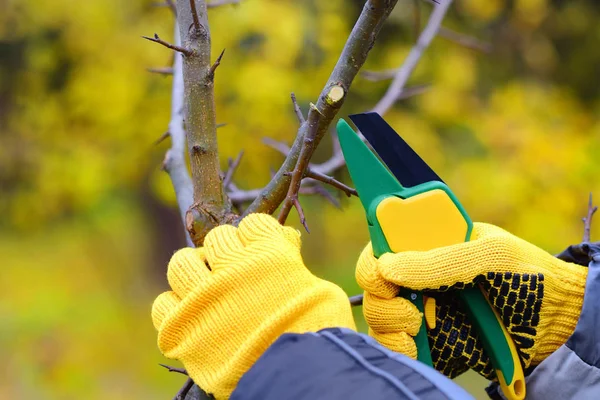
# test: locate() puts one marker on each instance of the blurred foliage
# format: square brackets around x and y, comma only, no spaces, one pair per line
[88,217]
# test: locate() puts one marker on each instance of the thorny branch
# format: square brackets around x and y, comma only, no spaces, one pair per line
[314,116]
[587,220]
[174,369]
[168,45]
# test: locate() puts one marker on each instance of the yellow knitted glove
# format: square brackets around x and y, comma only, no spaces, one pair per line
[538,296]
[235,296]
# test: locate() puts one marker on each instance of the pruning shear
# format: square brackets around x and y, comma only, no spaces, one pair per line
[413,209]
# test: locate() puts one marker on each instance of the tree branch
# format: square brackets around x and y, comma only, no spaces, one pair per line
[587,220]
[210,207]
[354,54]
[173,369]
[168,45]
[301,165]
[297,109]
[161,71]
[465,40]
[195,15]
[402,75]
[232,168]
[331,181]
[174,163]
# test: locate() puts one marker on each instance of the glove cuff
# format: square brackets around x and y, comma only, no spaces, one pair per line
[561,307]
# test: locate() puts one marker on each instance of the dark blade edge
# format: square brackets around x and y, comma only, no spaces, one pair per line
[406,165]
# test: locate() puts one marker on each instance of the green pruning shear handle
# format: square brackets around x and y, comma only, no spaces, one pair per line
[413,209]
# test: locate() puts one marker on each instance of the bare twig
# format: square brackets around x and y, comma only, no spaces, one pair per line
[402,75]
[465,40]
[218,3]
[195,16]
[297,109]
[314,115]
[161,71]
[213,68]
[184,390]
[174,369]
[587,220]
[279,146]
[174,163]
[331,181]
[158,40]
[354,54]
[232,168]
[376,76]
[162,138]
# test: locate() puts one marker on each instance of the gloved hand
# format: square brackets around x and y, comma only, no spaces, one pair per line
[538,296]
[235,296]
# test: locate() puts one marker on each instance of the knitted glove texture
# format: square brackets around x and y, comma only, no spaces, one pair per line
[232,298]
[538,296]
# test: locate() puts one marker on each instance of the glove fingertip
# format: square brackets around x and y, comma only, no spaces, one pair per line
[163,306]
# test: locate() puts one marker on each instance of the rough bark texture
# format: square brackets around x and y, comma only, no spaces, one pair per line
[210,207]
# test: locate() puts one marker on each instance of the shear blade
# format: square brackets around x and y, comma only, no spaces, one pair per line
[401,159]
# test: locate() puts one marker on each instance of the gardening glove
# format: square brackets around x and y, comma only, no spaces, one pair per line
[538,297]
[232,298]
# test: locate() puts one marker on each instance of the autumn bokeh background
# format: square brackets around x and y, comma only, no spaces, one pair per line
[89,220]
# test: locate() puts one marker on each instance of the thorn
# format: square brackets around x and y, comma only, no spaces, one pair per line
[168,45]
[173,369]
[162,137]
[211,73]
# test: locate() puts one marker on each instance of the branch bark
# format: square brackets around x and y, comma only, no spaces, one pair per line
[210,206]
[402,75]
[357,47]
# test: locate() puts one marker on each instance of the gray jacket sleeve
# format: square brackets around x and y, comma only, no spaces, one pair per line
[573,371]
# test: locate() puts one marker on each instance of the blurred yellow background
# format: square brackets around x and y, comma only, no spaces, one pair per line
[89,220]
